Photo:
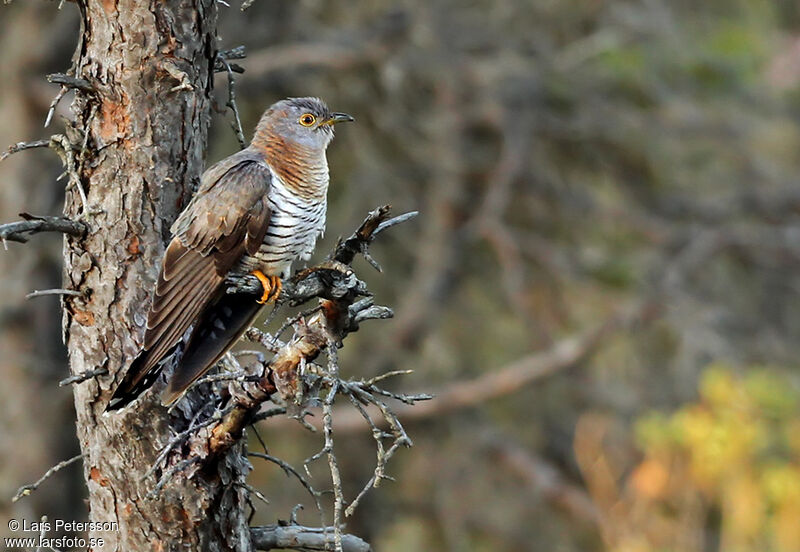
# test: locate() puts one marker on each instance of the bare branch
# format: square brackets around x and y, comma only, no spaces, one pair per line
[21,146]
[332,280]
[322,54]
[172,472]
[506,380]
[227,55]
[15,231]
[298,537]
[25,490]
[543,478]
[179,438]
[289,471]
[71,82]
[80,378]
[231,103]
[329,280]
[45,292]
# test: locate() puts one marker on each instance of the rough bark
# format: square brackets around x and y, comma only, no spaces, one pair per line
[139,139]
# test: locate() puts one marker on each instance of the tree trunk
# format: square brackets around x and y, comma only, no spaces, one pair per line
[144,130]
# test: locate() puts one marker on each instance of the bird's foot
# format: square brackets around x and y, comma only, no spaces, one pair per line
[271,284]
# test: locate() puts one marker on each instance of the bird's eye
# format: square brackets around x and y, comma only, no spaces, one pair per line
[308,119]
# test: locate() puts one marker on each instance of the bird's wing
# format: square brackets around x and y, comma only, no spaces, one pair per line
[228,216]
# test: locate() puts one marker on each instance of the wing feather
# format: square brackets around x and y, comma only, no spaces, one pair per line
[228,216]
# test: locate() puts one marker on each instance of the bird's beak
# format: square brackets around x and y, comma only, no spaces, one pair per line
[339,118]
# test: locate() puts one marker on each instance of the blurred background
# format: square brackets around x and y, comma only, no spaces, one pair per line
[602,287]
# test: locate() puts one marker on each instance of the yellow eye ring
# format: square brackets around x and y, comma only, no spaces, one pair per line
[307,120]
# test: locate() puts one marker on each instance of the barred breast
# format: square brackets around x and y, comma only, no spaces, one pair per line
[295,224]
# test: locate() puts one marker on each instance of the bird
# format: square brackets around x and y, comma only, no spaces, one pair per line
[255,212]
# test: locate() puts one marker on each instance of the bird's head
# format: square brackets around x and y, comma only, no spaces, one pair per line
[305,122]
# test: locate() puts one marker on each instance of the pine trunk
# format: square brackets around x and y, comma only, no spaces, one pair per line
[139,140]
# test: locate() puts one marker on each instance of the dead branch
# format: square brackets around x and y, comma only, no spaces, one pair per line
[292,377]
[16,231]
[71,82]
[331,279]
[79,378]
[509,379]
[298,537]
[336,284]
[226,55]
[25,490]
[236,124]
[290,472]
[173,471]
[21,146]
[543,478]
[179,439]
[45,292]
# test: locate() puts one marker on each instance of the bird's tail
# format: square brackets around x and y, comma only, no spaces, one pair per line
[219,327]
[134,383]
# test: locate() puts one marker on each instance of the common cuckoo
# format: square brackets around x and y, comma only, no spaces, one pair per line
[256,212]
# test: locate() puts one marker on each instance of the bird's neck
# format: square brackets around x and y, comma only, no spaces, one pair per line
[303,170]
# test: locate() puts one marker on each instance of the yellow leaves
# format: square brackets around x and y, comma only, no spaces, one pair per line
[729,462]
[743,512]
[791,432]
[781,483]
[650,479]
[718,387]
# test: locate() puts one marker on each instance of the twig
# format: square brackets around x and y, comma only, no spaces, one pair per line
[227,55]
[290,471]
[21,146]
[240,375]
[294,319]
[298,537]
[177,468]
[269,342]
[83,376]
[327,450]
[393,373]
[231,103]
[269,414]
[74,173]
[394,221]
[15,231]
[358,392]
[333,464]
[44,292]
[25,490]
[63,147]
[252,490]
[180,438]
[52,109]
[69,81]
[42,532]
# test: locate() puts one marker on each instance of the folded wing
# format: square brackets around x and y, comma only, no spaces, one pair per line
[228,216]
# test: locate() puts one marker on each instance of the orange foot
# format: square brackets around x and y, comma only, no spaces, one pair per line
[272,286]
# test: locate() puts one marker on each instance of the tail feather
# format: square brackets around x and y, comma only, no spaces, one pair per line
[220,326]
[133,385]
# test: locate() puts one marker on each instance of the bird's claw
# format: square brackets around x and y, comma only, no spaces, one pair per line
[272,287]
